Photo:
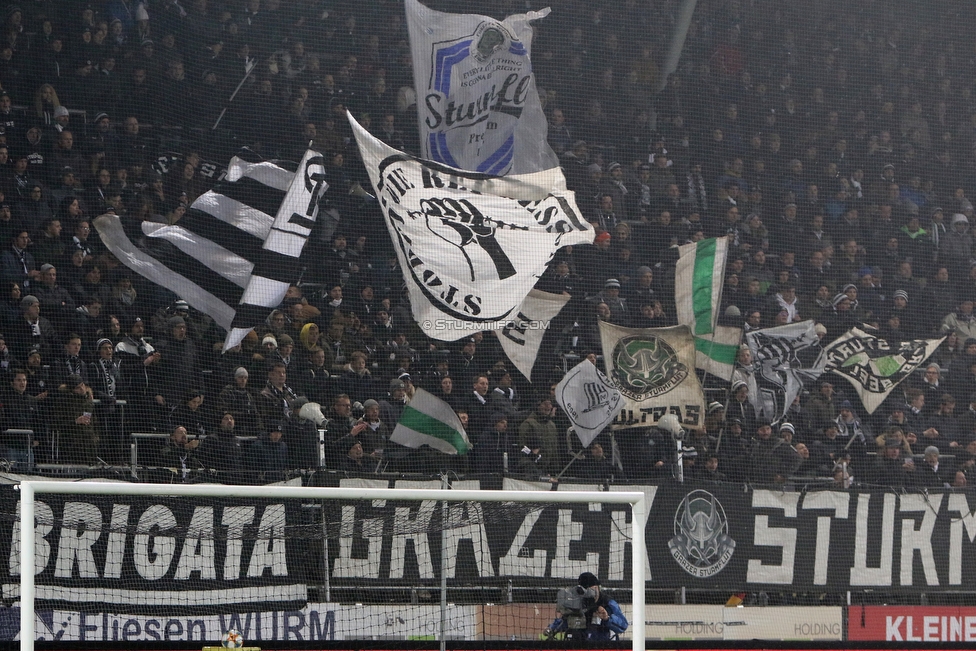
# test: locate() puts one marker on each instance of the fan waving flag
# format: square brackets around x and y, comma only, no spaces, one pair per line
[428,420]
[235,251]
[471,246]
[477,104]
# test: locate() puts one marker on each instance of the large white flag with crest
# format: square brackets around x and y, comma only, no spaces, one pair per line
[477,103]
[654,369]
[471,245]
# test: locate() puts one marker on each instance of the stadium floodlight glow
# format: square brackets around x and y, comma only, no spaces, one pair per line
[30,489]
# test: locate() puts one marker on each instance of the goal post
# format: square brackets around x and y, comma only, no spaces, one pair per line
[31,490]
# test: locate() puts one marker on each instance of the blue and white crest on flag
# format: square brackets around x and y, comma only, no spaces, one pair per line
[477,104]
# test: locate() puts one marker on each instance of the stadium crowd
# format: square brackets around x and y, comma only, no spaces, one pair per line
[832,147]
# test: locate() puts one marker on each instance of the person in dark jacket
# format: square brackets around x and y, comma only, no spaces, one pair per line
[601,621]
[177,364]
[269,455]
[238,400]
[78,441]
[20,412]
[138,364]
[222,451]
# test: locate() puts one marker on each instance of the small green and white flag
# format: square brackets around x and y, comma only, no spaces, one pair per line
[428,420]
[698,280]
[715,353]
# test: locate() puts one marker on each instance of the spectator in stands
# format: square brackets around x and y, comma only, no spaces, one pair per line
[75,422]
[236,399]
[180,452]
[17,264]
[31,330]
[391,407]
[177,363]
[539,425]
[268,455]
[221,451]
[21,412]
[275,400]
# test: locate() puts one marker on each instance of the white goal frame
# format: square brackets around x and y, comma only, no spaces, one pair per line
[28,489]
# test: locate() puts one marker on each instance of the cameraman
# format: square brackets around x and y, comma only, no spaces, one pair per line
[604,619]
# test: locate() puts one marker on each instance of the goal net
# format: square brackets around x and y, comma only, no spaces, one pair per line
[142,563]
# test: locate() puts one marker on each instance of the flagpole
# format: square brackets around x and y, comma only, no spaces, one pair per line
[251,65]
[578,455]
[728,396]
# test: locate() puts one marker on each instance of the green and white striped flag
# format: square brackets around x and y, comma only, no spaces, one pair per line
[698,281]
[428,420]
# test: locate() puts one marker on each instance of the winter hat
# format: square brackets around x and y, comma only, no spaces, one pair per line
[269,339]
[370,403]
[240,371]
[602,237]
[588,580]
[612,283]
[901,293]
[789,427]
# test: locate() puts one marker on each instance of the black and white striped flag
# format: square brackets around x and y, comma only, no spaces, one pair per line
[235,251]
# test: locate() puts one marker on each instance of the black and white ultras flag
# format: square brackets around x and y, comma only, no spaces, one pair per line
[471,245]
[235,251]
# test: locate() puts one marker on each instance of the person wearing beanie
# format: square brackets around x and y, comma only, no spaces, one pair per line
[269,455]
[602,621]
[377,433]
[772,458]
[235,398]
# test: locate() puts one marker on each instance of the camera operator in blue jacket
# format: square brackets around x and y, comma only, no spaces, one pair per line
[603,618]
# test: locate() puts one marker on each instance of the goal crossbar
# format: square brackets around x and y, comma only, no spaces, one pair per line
[29,489]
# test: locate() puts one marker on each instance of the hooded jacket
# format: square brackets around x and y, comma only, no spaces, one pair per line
[957,246]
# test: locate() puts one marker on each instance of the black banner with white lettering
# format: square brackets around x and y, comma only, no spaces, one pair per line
[216,553]
[143,554]
[698,536]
